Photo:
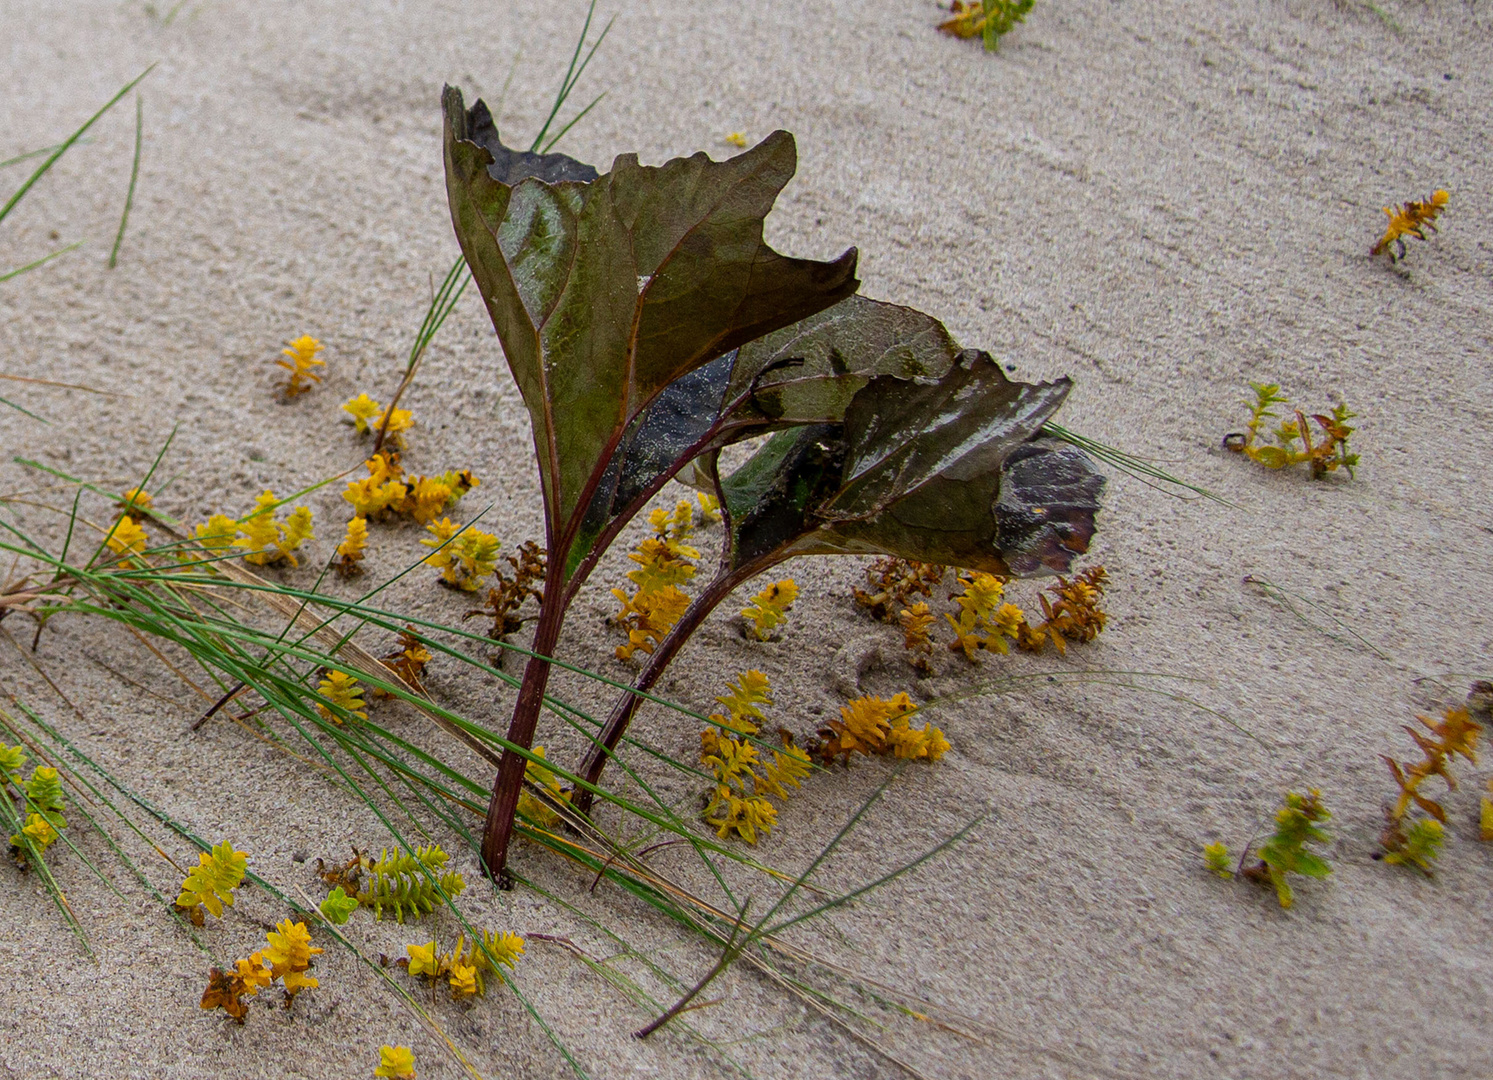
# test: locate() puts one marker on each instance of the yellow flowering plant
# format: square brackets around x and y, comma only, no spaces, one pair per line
[743,779]
[395,1063]
[769,608]
[267,541]
[301,361]
[1410,219]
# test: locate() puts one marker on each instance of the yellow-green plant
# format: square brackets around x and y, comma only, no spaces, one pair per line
[985,19]
[127,538]
[408,883]
[664,558]
[134,503]
[352,549]
[211,883]
[710,508]
[267,541]
[769,608]
[877,727]
[537,810]
[665,562]
[1075,614]
[1455,733]
[463,556]
[395,1062]
[1327,454]
[1417,845]
[743,779]
[893,584]
[338,906]
[984,622]
[386,491]
[743,700]
[1219,860]
[345,696]
[1285,852]
[288,958]
[464,967]
[300,360]
[917,625]
[41,803]
[368,418]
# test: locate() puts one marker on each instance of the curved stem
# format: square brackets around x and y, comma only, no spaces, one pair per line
[628,704]
[498,830]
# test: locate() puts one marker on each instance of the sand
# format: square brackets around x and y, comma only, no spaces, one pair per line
[1162,201]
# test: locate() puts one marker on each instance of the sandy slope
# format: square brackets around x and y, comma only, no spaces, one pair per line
[1162,200]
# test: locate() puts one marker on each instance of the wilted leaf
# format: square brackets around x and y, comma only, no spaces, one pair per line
[943,471]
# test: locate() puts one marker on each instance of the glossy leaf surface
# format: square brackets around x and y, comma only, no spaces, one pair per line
[605,291]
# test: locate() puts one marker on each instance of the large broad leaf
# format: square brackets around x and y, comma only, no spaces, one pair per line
[945,471]
[807,373]
[605,291]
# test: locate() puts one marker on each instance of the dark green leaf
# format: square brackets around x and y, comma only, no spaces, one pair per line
[809,372]
[944,471]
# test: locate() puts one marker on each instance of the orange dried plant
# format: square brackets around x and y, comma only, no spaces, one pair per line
[1075,615]
[504,602]
[1410,219]
[893,584]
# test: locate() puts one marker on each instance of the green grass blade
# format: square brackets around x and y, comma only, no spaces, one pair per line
[18,271]
[129,199]
[33,153]
[67,144]
[21,409]
[1139,468]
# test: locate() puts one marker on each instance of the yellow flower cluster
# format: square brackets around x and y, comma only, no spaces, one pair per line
[300,362]
[464,556]
[464,968]
[663,565]
[872,726]
[738,801]
[984,621]
[267,541]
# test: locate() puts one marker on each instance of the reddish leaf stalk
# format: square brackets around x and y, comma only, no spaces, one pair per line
[606,741]
[498,830]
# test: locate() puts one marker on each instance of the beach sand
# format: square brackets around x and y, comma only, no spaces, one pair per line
[1163,201]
